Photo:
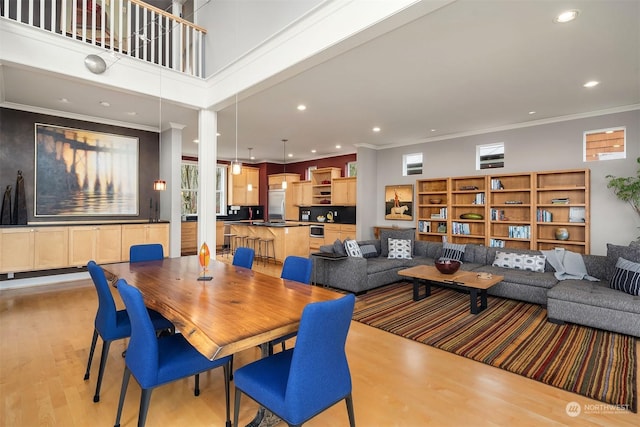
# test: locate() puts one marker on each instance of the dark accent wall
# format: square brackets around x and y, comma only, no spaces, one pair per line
[17,152]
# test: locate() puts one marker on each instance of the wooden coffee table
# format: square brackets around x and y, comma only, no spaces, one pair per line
[464,280]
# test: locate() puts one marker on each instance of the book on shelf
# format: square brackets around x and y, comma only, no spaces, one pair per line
[543,215]
[497,214]
[496,184]
[478,199]
[424,226]
[560,201]
[496,243]
[520,231]
[460,228]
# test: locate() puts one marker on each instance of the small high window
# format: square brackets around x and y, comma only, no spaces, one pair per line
[412,164]
[490,156]
[605,144]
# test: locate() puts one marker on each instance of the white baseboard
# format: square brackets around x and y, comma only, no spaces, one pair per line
[42,280]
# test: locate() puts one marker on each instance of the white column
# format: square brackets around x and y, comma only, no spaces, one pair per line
[171,199]
[207,159]
[176,10]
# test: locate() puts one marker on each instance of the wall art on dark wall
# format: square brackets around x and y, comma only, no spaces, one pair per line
[84,173]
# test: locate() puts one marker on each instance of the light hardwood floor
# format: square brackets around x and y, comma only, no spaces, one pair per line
[45,334]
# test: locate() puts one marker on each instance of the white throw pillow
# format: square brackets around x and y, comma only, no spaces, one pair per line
[352,248]
[520,261]
[399,249]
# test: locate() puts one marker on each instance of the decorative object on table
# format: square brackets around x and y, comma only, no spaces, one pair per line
[562,233]
[204,256]
[471,215]
[447,266]
[110,184]
[399,202]
[627,189]
[5,217]
[20,204]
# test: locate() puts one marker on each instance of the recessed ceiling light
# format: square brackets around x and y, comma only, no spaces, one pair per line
[290,155]
[218,134]
[531,112]
[566,16]
[592,83]
[376,129]
[609,131]
[132,113]
[338,146]
[433,130]
[313,151]
[63,100]
[196,141]
[302,107]
[105,104]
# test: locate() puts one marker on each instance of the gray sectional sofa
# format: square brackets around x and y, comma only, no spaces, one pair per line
[590,303]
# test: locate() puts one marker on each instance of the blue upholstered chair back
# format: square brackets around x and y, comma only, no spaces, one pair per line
[297,268]
[146,252]
[319,375]
[142,353]
[243,257]
[105,321]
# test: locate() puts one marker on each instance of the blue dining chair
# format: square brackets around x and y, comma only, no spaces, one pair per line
[157,361]
[299,383]
[111,324]
[298,269]
[243,257]
[146,252]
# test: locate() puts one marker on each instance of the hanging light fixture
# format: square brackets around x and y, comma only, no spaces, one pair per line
[249,185]
[236,166]
[284,162]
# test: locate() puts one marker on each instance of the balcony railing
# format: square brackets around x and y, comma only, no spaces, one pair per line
[129,27]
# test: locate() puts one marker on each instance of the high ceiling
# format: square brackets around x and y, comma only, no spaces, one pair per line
[468,67]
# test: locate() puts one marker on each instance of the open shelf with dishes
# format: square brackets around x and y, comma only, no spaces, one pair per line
[321,180]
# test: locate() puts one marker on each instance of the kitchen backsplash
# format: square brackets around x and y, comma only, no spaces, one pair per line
[336,214]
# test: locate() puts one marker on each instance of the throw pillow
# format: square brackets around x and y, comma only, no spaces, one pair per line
[386,234]
[399,249]
[352,248]
[452,251]
[520,261]
[626,277]
[338,248]
[368,251]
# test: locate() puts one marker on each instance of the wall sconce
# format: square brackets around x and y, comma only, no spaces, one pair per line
[159,185]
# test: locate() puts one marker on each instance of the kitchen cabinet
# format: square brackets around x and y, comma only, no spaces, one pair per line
[338,231]
[343,191]
[321,185]
[188,237]
[33,248]
[137,234]
[100,243]
[244,188]
[290,240]
[302,193]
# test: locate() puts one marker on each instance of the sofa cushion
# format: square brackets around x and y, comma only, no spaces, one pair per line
[387,234]
[452,251]
[597,294]
[399,249]
[520,261]
[522,277]
[626,277]
[381,264]
[352,248]
[338,248]
[630,253]
[368,251]
[474,253]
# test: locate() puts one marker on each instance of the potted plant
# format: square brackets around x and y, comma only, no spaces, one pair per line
[627,189]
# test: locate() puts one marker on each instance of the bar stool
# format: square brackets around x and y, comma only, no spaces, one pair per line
[265,244]
[227,245]
[238,240]
[252,242]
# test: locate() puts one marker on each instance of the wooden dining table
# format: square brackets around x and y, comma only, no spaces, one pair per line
[236,310]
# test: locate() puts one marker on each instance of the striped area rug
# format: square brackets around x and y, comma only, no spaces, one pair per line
[510,335]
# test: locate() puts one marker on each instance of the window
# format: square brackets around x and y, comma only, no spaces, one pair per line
[605,144]
[412,164]
[189,188]
[352,169]
[490,156]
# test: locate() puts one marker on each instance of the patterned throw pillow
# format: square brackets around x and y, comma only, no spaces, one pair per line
[352,248]
[399,249]
[626,277]
[368,251]
[452,251]
[520,261]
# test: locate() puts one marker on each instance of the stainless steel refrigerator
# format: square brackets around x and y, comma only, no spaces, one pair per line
[277,205]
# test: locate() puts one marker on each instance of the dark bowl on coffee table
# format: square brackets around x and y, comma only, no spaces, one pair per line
[447,266]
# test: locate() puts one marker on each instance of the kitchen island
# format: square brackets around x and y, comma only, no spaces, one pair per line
[289,238]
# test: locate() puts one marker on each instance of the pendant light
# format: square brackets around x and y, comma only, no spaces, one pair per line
[284,162]
[249,185]
[236,166]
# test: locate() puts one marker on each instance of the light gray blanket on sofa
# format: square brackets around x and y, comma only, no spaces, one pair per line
[568,265]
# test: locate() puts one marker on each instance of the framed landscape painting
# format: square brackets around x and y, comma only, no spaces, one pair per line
[84,173]
[398,202]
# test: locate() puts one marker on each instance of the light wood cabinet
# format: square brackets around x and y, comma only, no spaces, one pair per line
[302,193]
[188,237]
[321,188]
[239,193]
[33,248]
[343,191]
[101,243]
[520,210]
[137,234]
[338,231]
[286,240]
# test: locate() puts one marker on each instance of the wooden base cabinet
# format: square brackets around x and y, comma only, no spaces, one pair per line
[137,234]
[100,243]
[33,248]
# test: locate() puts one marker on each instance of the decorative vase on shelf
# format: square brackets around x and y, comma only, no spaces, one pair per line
[562,233]
[204,256]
